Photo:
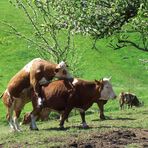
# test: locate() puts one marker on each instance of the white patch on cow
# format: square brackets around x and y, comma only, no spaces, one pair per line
[60,117]
[129,93]
[43,81]
[29,65]
[61,65]
[11,123]
[40,102]
[16,124]
[107,92]
[106,79]
[6,91]
[84,125]
[75,81]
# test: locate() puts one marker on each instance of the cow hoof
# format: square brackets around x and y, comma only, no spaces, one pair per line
[62,128]
[102,118]
[85,127]
[18,130]
[34,129]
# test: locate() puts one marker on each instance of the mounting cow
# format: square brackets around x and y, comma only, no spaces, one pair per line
[29,79]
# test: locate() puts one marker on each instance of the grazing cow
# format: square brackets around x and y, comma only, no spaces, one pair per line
[60,96]
[29,79]
[129,99]
[43,116]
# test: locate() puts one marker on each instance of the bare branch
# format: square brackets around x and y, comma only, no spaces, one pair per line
[35,26]
[133,44]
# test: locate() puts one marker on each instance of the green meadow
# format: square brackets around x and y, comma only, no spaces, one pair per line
[124,65]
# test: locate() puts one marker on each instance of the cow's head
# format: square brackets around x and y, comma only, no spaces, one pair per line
[107,91]
[61,71]
[27,118]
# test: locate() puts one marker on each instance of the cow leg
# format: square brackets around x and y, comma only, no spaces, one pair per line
[129,105]
[101,108]
[34,115]
[35,77]
[10,118]
[84,124]
[64,117]
[61,117]
[121,106]
[33,125]
[15,119]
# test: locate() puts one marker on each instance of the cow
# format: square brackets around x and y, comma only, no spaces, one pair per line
[29,79]
[60,96]
[44,114]
[128,98]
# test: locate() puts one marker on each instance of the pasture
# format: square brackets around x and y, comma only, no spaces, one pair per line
[126,128]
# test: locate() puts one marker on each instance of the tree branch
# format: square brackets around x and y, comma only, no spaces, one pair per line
[133,44]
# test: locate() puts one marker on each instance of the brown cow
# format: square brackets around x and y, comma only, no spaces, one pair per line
[44,114]
[30,77]
[61,97]
[129,99]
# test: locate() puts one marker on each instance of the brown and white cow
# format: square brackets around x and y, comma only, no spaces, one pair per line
[130,99]
[28,79]
[60,96]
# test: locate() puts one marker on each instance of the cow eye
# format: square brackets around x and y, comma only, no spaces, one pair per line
[56,70]
[64,72]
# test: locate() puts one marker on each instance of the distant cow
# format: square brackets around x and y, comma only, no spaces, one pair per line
[129,99]
[62,97]
[29,79]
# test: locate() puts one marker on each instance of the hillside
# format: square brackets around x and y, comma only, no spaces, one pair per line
[128,73]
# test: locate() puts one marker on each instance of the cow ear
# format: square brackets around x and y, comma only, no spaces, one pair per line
[101,80]
[66,65]
[56,70]
[109,78]
[97,82]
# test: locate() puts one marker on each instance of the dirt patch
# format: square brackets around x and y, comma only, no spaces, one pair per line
[113,139]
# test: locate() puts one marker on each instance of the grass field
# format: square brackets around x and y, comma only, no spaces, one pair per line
[127,72]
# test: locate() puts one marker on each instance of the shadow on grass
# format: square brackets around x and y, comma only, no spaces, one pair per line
[67,128]
[108,118]
[56,129]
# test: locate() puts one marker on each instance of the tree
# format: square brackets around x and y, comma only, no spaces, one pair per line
[101,18]
[52,41]
[53,19]
[136,26]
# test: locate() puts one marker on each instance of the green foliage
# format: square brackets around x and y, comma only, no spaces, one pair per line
[138,26]
[98,18]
